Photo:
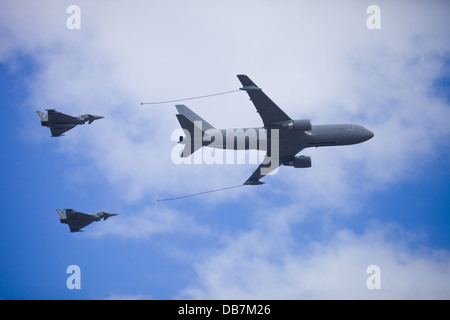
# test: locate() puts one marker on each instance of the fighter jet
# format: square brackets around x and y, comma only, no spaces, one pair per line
[281,136]
[77,220]
[59,122]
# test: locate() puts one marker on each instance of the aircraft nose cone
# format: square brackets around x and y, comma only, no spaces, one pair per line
[92,118]
[106,215]
[368,134]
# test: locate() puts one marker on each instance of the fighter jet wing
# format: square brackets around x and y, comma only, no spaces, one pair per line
[77,220]
[58,117]
[270,113]
[59,130]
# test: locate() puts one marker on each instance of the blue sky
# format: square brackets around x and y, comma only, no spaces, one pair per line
[306,233]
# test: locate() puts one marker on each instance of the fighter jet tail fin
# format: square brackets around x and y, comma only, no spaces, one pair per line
[42,115]
[62,214]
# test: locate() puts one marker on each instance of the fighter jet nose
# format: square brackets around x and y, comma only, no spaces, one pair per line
[92,118]
[106,215]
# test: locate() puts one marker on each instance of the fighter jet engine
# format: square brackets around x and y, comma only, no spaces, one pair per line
[299,162]
[303,125]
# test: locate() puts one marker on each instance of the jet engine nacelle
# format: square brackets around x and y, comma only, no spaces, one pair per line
[302,124]
[300,162]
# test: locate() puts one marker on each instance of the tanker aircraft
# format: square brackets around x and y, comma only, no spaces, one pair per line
[281,136]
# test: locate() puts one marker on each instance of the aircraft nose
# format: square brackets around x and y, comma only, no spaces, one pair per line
[106,215]
[92,118]
[368,134]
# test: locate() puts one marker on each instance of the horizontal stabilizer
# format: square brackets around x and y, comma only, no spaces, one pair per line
[61,213]
[192,116]
[42,115]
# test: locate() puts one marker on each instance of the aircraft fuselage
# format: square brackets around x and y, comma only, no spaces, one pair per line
[257,138]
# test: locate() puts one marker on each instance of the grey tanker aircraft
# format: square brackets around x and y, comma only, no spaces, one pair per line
[281,136]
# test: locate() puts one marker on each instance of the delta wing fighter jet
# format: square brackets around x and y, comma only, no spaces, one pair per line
[77,220]
[59,122]
[281,136]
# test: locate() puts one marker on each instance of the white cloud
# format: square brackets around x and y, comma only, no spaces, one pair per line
[259,264]
[147,222]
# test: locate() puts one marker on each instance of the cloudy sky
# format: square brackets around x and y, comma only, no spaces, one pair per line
[305,234]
